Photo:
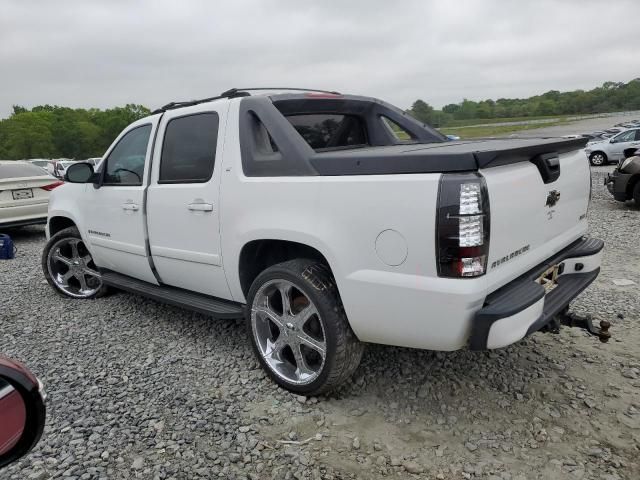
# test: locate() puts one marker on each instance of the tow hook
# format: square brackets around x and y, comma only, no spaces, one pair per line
[571,319]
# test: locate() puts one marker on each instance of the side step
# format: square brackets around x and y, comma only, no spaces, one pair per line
[178,297]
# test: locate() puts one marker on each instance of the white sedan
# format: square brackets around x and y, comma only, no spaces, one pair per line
[24,193]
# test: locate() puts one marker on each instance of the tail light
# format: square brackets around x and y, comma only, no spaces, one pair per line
[463,225]
[51,186]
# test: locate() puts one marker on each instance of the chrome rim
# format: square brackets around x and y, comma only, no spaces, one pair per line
[288,331]
[72,269]
[597,159]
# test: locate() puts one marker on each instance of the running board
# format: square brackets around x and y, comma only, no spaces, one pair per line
[178,297]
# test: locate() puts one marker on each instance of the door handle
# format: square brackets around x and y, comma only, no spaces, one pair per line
[130,206]
[200,207]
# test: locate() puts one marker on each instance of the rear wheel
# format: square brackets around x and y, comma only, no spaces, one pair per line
[299,330]
[597,159]
[69,267]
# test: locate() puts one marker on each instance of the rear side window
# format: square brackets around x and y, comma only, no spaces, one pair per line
[189,149]
[396,130]
[330,131]
[19,169]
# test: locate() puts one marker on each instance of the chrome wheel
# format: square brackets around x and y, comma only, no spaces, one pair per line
[597,159]
[289,332]
[72,269]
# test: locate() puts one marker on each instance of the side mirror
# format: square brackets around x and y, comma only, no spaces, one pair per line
[79,173]
[22,411]
[612,140]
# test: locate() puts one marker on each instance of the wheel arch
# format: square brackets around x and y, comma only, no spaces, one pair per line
[258,255]
[631,184]
[58,223]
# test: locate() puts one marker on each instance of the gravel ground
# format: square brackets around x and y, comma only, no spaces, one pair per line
[142,390]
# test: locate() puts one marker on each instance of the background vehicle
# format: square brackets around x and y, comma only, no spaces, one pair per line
[611,150]
[624,182]
[42,163]
[24,193]
[22,410]
[58,167]
[306,214]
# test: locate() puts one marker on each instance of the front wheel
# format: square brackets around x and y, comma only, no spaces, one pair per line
[597,159]
[299,330]
[68,266]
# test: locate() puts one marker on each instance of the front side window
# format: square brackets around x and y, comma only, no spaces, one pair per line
[125,163]
[625,137]
[189,149]
[324,131]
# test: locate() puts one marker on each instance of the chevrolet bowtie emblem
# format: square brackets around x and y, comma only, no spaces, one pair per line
[552,198]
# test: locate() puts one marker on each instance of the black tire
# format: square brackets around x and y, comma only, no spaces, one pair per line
[67,233]
[343,350]
[598,159]
[636,193]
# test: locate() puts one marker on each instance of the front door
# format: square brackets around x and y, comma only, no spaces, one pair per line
[621,142]
[113,213]
[182,203]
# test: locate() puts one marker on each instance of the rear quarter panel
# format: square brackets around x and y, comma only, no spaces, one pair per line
[341,217]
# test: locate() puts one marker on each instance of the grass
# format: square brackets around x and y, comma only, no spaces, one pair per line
[482,121]
[492,131]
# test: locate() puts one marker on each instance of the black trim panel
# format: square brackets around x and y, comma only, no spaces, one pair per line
[428,152]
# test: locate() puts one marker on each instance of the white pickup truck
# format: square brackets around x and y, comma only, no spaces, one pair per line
[328,221]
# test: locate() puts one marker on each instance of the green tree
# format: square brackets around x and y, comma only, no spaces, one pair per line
[422,111]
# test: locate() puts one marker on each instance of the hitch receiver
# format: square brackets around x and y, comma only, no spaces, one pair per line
[570,319]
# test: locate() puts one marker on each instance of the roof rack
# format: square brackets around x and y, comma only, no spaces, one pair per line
[233,93]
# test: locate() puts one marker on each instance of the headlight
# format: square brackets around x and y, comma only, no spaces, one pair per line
[626,162]
[587,151]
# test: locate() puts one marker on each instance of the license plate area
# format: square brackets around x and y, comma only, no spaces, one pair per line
[22,194]
[549,278]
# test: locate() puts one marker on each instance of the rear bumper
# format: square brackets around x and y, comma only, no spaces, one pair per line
[521,307]
[617,183]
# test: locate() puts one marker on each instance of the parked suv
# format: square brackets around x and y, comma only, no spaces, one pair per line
[624,182]
[612,149]
[310,215]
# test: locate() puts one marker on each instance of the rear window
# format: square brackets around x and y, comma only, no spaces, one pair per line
[19,169]
[189,149]
[330,131]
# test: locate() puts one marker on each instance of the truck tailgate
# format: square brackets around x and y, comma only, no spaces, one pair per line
[532,220]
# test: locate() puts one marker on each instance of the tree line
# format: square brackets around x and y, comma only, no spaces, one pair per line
[59,132]
[610,97]
[48,131]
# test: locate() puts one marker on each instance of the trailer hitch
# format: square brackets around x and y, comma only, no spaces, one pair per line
[570,319]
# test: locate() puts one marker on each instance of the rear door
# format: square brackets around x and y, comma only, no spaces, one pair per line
[113,214]
[183,199]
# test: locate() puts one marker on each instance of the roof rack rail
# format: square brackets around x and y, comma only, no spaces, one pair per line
[232,93]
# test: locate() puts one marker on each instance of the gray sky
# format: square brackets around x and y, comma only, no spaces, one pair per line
[102,53]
